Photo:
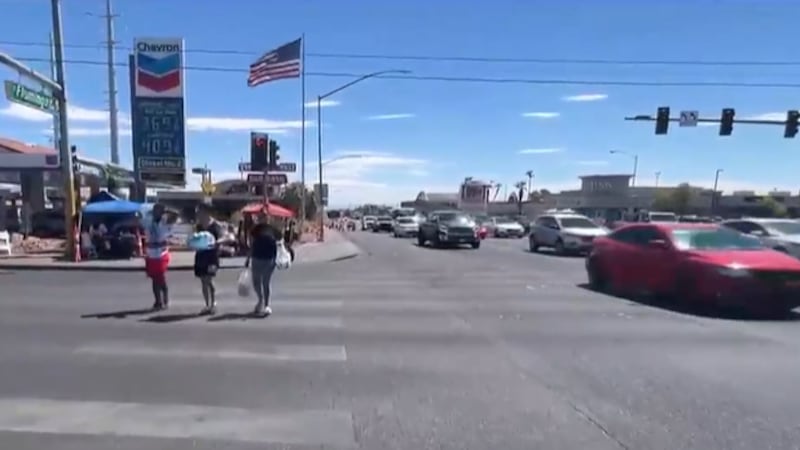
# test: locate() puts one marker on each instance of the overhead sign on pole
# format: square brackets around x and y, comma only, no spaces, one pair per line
[688,118]
[159,122]
[286,167]
[324,195]
[18,93]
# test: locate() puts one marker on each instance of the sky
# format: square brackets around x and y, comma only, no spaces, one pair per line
[559,119]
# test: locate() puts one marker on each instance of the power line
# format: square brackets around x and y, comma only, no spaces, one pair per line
[452,79]
[445,58]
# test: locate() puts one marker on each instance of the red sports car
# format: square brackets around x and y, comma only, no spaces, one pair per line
[695,262]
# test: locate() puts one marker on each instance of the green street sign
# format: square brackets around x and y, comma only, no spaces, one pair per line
[24,95]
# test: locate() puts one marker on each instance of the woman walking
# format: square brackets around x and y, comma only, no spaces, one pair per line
[263,250]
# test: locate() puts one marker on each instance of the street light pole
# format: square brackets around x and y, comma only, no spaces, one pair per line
[635,163]
[658,177]
[113,114]
[714,194]
[320,98]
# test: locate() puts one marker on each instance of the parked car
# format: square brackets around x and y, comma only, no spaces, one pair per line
[565,233]
[383,223]
[504,227]
[695,262]
[367,222]
[405,226]
[780,234]
[449,228]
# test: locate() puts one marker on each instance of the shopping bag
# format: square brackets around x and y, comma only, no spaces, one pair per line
[201,241]
[283,259]
[244,283]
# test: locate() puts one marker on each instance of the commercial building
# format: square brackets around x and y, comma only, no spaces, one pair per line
[603,196]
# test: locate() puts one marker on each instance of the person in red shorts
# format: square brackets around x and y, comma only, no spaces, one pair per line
[156,260]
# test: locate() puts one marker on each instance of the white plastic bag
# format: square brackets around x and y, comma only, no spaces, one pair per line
[244,285]
[283,260]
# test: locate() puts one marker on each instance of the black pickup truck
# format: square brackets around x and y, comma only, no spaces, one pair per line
[448,228]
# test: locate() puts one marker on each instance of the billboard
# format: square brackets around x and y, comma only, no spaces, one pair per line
[157,110]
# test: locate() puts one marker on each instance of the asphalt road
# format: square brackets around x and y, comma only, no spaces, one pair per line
[401,348]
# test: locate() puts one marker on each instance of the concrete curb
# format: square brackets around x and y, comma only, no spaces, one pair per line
[348,251]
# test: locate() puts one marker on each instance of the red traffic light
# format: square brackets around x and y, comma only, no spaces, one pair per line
[261,142]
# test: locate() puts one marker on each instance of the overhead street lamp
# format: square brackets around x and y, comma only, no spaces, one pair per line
[635,163]
[320,163]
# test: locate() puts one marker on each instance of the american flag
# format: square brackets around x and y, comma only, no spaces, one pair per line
[280,63]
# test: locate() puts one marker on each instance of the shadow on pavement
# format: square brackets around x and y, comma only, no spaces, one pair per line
[119,314]
[553,254]
[170,318]
[444,247]
[707,311]
[236,316]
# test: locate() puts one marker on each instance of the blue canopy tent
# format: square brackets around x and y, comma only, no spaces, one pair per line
[112,207]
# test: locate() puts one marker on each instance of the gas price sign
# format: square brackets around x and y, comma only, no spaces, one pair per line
[159,137]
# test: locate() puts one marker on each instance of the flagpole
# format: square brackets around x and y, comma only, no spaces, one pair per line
[302,212]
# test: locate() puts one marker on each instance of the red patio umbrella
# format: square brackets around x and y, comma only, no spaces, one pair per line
[271,209]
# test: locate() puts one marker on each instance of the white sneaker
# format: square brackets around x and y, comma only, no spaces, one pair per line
[267,311]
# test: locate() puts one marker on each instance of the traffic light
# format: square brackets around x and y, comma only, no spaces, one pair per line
[259,157]
[792,119]
[726,121]
[274,154]
[76,167]
[662,120]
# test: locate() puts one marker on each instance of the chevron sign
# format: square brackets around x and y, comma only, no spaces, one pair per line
[158,68]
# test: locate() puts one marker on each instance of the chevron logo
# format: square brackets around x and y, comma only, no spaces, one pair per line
[158,74]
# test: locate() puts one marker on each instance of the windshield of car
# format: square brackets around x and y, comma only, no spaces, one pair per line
[782,227]
[577,222]
[662,217]
[504,221]
[455,217]
[405,220]
[714,239]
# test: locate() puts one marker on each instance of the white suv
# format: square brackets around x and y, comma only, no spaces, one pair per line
[780,234]
[565,233]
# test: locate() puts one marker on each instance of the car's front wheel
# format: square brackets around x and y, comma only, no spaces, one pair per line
[533,246]
[476,244]
[420,240]
[597,279]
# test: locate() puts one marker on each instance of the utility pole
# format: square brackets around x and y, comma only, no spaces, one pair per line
[113,114]
[63,132]
[714,195]
[658,177]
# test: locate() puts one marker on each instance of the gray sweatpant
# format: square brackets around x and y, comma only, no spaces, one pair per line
[261,274]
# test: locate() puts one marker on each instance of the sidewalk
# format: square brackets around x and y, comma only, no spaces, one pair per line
[335,248]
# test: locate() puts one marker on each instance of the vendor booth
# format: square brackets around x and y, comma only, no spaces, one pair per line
[110,229]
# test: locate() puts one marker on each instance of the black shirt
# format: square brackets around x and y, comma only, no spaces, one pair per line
[264,244]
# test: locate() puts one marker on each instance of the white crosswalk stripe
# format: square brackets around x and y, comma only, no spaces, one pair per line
[180,352]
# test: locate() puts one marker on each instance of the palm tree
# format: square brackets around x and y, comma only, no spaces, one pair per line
[529,174]
[520,186]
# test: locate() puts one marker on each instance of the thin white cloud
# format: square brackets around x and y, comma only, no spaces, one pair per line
[327,103]
[241,124]
[777,116]
[541,115]
[585,98]
[85,115]
[89,132]
[391,116]
[419,172]
[592,163]
[540,151]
